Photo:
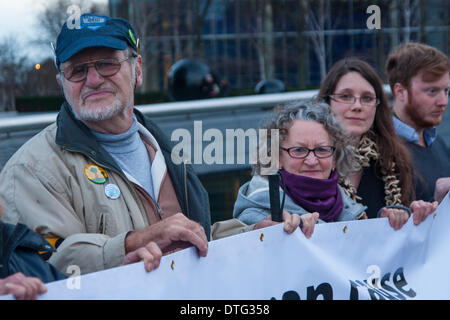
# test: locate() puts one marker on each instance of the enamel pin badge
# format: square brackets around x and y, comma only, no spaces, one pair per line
[95,173]
[112,191]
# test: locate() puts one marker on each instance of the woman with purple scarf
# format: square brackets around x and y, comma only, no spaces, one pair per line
[314,153]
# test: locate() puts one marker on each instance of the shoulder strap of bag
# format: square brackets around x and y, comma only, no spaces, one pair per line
[274,196]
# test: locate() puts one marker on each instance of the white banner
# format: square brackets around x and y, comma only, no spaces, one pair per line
[345,260]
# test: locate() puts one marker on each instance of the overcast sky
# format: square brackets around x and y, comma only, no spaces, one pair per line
[18,20]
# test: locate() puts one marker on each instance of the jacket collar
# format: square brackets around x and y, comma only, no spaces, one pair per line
[74,135]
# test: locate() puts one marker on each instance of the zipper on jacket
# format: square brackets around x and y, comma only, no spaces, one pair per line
[158,208]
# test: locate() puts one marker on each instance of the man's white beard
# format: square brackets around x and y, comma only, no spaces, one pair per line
[97,114]
[104,113]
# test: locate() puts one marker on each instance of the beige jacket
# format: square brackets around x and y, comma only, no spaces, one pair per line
[45,187]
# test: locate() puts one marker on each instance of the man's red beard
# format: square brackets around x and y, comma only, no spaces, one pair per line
[418,119]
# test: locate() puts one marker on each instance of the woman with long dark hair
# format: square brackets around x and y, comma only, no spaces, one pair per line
[355,94]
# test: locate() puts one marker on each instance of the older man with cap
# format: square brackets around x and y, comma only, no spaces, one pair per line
[99,183]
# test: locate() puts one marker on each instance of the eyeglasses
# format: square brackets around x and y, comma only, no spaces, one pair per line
[105,67]
[367,101]
[303,152]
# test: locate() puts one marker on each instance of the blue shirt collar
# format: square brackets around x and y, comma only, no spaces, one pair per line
[411,135]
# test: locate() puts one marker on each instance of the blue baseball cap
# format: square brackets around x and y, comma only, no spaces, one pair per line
[94,31]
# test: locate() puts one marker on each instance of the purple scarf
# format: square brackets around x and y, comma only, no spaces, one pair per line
[315,195]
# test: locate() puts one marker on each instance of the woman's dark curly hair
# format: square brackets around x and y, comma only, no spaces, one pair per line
[319,112]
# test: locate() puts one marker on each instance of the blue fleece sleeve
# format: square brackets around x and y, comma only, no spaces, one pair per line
[253,215]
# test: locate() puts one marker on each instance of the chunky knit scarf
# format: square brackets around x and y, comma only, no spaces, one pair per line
[367,150]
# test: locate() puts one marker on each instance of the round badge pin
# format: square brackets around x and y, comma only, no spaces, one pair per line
[95,173]
[112,191]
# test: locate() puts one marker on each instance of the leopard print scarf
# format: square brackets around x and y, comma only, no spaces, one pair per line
[367,150]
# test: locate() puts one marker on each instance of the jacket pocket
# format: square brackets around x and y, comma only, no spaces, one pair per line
[106,223]
[102,224]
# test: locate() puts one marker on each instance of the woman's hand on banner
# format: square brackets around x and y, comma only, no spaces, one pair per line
[291,222]
[305,222]
[421,210]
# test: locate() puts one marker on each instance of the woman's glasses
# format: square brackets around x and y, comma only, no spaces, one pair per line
[368,101]
[303,152]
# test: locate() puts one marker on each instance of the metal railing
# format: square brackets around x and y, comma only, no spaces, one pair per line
[40,121]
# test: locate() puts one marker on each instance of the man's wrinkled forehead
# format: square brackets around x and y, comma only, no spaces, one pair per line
[95,53]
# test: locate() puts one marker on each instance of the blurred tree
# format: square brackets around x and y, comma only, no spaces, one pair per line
[395,24]
[297,19]
[12,69]
[199,12]
[315,19]
[379,49]
[409,9]
[259,15]
[54,15]
[168,29]
[50,21]
[41,82]
[423,21]
[319,18]
[144,19]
